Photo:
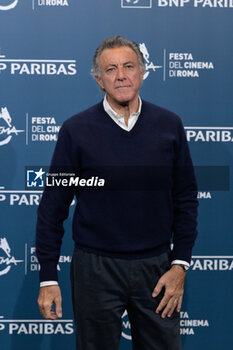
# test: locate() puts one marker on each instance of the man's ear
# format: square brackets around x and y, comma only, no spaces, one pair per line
[99,82]
[142,75]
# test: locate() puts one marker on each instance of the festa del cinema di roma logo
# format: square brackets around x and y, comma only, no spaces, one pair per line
[149,64]
[6,259]
[8,6]
[6,127]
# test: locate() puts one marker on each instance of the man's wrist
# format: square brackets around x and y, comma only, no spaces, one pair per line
[48,283]
[184,264]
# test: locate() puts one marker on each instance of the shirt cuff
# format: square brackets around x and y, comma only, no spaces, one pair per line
[182,262]
[48,283]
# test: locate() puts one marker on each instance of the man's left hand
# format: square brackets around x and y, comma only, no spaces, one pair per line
[173,282]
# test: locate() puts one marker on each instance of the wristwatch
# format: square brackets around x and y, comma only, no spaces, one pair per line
[185,267]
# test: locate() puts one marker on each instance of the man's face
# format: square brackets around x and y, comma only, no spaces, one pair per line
[120,75]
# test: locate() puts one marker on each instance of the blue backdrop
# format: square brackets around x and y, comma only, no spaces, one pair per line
[46,49]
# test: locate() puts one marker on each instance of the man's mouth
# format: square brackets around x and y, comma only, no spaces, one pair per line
[124,86]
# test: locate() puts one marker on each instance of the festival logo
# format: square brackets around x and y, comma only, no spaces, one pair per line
[190,326]
[6,259]
[6,127]
[126,326]
[136,3]
[149,64]
[9,5]
[34,263]
[52,2]
[43,129]
[204,195]
[186,65]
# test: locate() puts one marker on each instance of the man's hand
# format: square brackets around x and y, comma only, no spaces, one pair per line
[47,297]
[173,282]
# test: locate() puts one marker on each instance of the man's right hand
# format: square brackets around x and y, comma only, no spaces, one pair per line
[49,296]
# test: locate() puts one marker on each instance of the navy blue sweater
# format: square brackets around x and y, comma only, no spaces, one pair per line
[149,197]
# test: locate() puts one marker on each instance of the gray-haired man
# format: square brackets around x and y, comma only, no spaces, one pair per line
[122,258]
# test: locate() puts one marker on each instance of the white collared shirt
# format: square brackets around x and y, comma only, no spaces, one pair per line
[119,118]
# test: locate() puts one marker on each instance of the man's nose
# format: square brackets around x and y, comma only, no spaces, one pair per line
[121,73]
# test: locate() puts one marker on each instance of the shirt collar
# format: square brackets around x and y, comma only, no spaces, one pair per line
[113,114]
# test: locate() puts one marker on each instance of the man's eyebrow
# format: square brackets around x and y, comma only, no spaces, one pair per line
[111,64]
[116,65]
[128,62]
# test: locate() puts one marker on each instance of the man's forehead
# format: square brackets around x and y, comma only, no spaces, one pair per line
[118,54]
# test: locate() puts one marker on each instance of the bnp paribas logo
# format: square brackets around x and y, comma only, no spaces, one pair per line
[8,5]
[136,4]
[35,66]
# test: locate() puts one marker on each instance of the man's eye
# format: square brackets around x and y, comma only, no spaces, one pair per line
[110,69]
[129,66]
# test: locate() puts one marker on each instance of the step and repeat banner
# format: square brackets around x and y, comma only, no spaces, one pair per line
[46,50]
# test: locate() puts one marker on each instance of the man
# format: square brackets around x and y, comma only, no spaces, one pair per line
[122,258]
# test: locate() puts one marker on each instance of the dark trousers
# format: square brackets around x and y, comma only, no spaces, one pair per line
[103,288]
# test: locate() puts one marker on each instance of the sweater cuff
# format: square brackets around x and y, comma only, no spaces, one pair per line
[48,271]
[181,253]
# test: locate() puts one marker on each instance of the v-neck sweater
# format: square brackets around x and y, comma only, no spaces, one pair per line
[148,199]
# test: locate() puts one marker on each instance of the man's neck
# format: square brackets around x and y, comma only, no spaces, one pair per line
[125,109]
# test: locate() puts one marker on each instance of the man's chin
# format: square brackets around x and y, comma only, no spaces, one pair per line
[122,100]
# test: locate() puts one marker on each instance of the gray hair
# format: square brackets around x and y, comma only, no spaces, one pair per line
[111,43]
